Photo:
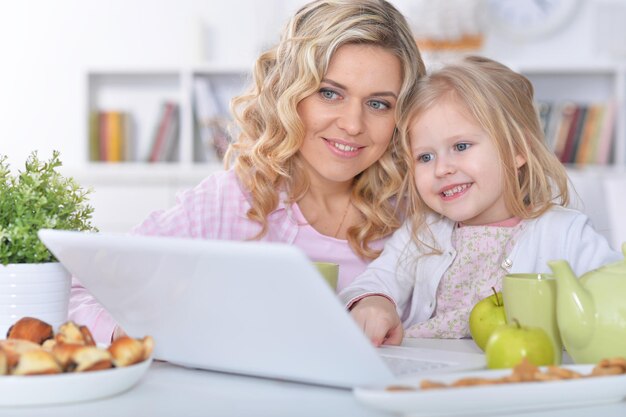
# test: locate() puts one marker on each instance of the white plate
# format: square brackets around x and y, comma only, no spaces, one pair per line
[513,397]
[69,387]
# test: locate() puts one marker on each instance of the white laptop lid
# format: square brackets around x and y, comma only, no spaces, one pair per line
[251,308]
[244,307]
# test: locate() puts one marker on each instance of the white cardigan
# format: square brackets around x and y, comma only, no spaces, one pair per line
[410,278]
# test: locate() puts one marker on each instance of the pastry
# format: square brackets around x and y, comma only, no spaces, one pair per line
[36,362]
[90,358]
[87,336]
[14,348]
[4,368]
[33,349]
[49,344]
[63,352]
[70,332]
[30,328]
[126,351]
[148,346]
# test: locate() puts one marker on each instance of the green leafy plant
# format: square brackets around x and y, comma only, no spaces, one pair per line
[38,197]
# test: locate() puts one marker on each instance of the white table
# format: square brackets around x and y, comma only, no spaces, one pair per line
[168,390]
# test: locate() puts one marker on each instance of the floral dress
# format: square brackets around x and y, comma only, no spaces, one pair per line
[480,263]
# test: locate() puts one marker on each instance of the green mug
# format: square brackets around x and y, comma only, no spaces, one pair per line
[531,299]
[330,272]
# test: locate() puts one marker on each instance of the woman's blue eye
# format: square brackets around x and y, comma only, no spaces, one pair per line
[462,146]
[328,94]
[379,105]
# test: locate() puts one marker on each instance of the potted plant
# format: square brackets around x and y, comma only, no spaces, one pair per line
[32,282]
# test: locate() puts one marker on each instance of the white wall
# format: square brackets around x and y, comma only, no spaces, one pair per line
[46,47]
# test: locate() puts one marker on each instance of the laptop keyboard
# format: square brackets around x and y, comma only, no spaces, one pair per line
[409,366]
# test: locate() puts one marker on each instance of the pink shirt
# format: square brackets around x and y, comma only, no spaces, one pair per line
[216,209]
[324,248]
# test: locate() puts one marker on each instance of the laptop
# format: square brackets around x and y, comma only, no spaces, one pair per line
[251,308]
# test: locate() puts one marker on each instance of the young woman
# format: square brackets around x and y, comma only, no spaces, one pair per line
[315,163]
[487,198]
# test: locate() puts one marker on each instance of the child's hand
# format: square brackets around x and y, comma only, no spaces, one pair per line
[378,318]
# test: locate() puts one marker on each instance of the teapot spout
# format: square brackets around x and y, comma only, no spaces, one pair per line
[575,309]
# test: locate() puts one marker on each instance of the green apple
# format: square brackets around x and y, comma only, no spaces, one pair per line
[486,316]
[509,344]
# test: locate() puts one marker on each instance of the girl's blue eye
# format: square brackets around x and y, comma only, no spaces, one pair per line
[328,94]
[462,146]
[425,157]
[379,105]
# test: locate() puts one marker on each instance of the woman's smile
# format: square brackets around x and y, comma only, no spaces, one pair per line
[343,149]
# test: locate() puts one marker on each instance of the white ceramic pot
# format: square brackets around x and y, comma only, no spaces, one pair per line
[33,290]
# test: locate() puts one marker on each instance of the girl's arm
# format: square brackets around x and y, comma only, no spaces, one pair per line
[377,317]
[378,297]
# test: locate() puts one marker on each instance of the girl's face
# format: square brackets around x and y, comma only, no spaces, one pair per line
[458,170]
[350,120]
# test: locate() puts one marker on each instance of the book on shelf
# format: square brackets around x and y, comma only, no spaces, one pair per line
[114,139]
[211,127]
[128,146]
[166,134]
[606,133]
[110,137]
[170,151]
[580,133]
[103,136]
[94,136]
[551,123]
[588,132]
[565,120]
[574,134]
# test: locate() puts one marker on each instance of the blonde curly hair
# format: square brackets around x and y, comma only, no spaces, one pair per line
[265,154]
[501,102]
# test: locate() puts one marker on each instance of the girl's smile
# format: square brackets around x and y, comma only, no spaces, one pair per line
[454,191]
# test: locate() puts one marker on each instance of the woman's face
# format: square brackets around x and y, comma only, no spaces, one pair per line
[349,121]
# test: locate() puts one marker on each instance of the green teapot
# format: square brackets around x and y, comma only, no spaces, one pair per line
[591,311]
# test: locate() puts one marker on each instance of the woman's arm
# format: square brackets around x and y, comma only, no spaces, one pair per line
[197,214]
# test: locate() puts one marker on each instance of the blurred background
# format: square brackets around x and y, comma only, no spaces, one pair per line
[134,93]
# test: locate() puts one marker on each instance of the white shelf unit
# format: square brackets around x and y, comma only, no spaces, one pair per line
[144,187]
[141,92]
[585,84]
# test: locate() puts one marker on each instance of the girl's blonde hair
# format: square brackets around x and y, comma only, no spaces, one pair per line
[501,101]
[265,155]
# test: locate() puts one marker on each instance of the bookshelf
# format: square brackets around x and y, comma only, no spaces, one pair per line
[586,86]
[144,187]
[141,94]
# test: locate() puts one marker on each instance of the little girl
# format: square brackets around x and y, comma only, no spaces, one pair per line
[486,198]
